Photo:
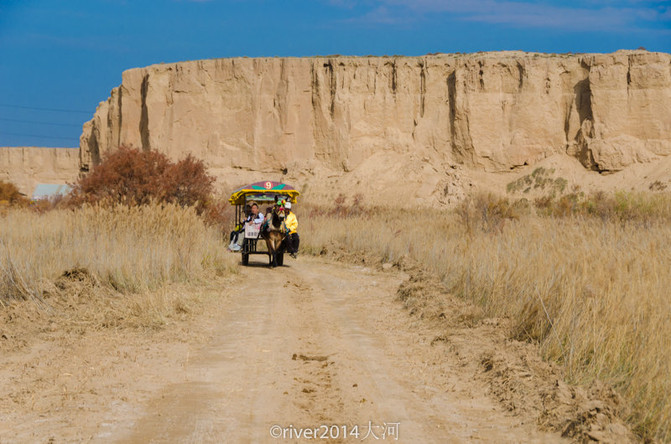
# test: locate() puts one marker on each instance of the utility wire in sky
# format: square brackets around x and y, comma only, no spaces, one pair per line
[34,108]
[36,136]
[2,119]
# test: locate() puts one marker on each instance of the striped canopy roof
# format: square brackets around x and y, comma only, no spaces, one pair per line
[261,191]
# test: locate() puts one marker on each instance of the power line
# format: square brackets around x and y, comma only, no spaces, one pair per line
[40,123]
[34,108]
[36,136]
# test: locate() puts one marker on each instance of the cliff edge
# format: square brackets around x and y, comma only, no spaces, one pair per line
[405,126]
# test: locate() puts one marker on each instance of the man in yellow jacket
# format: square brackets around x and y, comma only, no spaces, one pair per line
[292,239]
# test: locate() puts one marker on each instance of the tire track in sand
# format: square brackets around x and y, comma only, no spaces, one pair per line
[318,343]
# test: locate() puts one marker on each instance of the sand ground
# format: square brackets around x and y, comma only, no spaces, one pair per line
[313,344]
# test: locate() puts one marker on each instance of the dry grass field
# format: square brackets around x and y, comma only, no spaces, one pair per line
[586,278]
[122,256]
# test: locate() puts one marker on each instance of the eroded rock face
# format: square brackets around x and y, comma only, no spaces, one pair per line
[411,117]
[493,110]
[25,167]
[629,114]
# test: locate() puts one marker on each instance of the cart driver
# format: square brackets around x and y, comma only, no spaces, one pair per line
[292,240]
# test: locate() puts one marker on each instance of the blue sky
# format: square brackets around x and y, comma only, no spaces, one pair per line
[58,59]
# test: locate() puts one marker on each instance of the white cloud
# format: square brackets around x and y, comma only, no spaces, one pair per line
[593,15]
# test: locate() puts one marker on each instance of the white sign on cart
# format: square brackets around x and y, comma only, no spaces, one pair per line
[252,230]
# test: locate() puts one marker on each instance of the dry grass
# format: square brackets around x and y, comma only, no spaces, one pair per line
[628,207]
[592,291]
[122,249]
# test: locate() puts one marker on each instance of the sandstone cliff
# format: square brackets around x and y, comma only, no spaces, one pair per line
[25,167]
[406,125]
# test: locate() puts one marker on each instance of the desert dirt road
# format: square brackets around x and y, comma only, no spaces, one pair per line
[318,344]
[312,345]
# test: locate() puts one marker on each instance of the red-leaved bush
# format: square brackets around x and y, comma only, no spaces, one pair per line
[134,177]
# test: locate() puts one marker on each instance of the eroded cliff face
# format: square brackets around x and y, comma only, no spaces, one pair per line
[26,167]
[392,123]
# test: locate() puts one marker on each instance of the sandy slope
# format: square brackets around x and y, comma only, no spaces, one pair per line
[309,344]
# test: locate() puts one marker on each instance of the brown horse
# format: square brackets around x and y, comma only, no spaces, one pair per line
[274,235]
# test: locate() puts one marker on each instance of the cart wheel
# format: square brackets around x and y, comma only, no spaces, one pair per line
[280,259]
[245,258]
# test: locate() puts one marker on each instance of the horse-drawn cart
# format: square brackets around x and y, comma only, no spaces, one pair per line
[263,194]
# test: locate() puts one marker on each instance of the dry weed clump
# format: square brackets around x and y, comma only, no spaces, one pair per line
[637,207]
[128,249]
[590,287]
[10,195]
[488,213]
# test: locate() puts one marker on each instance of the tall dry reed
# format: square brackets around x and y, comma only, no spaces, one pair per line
[128,248]
[594,292]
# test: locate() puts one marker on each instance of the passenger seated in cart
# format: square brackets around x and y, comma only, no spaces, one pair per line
[255,217]
[239,228]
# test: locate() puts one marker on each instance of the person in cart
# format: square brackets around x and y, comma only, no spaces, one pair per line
[292,240]
[239,228]
[255,217]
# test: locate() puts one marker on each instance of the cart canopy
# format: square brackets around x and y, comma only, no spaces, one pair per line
[263,192]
